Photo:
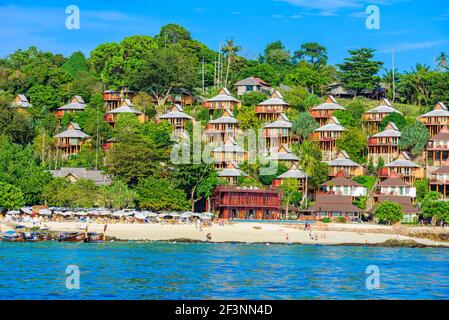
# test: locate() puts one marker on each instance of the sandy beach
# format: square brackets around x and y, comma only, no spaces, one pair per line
[248,233]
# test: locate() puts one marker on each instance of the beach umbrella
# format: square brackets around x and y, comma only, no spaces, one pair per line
[186,215]
[26,210]
[13,212]
[140,216]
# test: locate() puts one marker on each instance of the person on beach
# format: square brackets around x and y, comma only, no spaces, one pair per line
[208,236]
[286,237]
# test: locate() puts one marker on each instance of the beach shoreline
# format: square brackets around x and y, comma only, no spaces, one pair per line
[260,233]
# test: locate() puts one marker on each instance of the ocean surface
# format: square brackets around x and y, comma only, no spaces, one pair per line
[219,271]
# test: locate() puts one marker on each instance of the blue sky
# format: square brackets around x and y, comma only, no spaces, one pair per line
[417,29]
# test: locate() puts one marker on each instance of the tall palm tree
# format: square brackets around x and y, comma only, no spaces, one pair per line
[442,61]
[229,50]
[307,162]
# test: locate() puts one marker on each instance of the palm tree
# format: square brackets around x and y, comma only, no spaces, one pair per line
[307,162]
[442,61]
[229,50]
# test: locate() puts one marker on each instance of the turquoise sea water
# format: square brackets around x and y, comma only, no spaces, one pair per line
[219,271]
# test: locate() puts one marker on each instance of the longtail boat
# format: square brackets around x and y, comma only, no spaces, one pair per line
[72,237]
[11,236]
[93,237]
[34,236]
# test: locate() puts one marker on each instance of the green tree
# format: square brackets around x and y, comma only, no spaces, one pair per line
[414,138]
[247,118]
[253,98]
[313,53]
[395,117]
[304,125]
[172,33]
[117,195]
[160,194]
[353,141]
[11,197]
[422,188]
[389,212]
[359,71]
[290,194]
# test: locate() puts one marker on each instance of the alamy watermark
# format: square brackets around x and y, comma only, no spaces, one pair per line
[72,281]
[72,22]
[372,282]
[372,22]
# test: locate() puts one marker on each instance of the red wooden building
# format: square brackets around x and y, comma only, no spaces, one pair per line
[247,203]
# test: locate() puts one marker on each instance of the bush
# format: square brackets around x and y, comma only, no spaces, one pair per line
[327,220]
[341,220]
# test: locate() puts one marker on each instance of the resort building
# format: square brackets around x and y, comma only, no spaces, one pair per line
[283,154]
[406,169]
[224,100]
[436,119]
[108,144]
[219,130]
[344,163]
[21,103]
[294,173]
[384,144]
[437,149]
[230,202]
[337,90]
[181,96]
[75,105]
[394,186]
[323,112]
[178,118]
[411,213]
[114,99]
[332,206]
[251,84]
[341,185]
[271,109]
[228,151]
[277,133]
[231,173]
[75,174]
[127,107]
[372,118]
[70,141]
[439,180]
[327,136]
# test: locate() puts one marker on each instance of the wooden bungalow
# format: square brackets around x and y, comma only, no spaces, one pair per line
[224,100]
[127,107]
[277,133]
[437,149]
[70,141]
[406,169]
[230,202]
[384,144]
[410,212]
[439,180]
[108,144]
[341,185]
[372,118]
[231,173]
[114,99]
[436,119]
[181,96]
[251,84]
[394,186]
[178,118]
[272,108]
[344,163]
[323,112]
[327,136]
[228,151]
[219,130]
[294,173]
[76,104]
[284,155]
[332,206]
[75,174]
[21,103]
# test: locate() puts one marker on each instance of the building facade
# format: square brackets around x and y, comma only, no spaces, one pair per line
[384,144]
[324,112]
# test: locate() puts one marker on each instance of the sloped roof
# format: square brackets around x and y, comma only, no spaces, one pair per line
[176,112]
[403,160]
[227,117]
[391,130]
[283,154]
[393,181]
[77,103]
[281,122]
[82,173]
[229,146]
[332,125]
[343,160]
[276,99]
[329,104]
[124,109]
[341,180]
[232,170]
[293,173]
[443,169]
[333,203]
[443,135]
[73,131]
[404,202]
[251,81]
[23,102]
[440,110]
[224,95]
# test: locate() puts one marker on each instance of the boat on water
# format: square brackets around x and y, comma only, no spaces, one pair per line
[12,236]
[94,237]
[72,237]
[34,236]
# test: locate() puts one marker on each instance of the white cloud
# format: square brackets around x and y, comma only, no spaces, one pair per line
[411,46]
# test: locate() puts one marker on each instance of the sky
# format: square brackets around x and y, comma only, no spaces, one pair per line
[418,30]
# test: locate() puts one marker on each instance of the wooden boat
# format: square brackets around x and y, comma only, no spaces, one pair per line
[34,236]
[11,236]
[72,237]
[93,237]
